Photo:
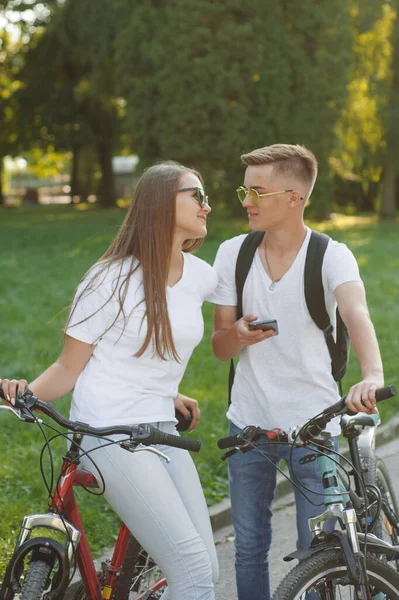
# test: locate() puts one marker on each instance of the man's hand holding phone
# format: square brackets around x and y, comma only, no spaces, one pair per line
[250,331]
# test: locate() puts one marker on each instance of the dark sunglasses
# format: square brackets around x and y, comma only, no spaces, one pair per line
[199,195]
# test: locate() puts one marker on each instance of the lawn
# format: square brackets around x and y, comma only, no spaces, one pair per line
[44,253]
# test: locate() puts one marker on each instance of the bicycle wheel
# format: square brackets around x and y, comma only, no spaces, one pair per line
[36,581]
[138,574]
[325,577]
[389,520]
[386,526]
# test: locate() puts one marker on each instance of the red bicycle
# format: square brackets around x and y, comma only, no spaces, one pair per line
[41,568]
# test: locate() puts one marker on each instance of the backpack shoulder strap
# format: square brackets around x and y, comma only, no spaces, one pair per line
[243,264]
[314,290]
[314,294]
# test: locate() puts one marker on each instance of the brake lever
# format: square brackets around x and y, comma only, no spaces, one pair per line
[21,414]
[229,453]
[134,447]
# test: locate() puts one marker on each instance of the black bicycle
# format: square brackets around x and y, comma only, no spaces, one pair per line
[349,562]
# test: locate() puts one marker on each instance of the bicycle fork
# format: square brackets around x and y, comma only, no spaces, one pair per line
[337,503]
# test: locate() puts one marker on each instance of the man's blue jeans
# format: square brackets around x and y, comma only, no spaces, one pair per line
[252,481]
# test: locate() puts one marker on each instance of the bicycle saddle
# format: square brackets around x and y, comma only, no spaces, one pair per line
[362,419]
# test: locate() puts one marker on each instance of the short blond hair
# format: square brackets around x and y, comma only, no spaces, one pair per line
[286,158]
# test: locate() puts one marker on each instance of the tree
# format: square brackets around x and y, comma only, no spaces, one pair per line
[358,160]
[8,87]
[90,33]
[68,102]
[389,204]
[207,81]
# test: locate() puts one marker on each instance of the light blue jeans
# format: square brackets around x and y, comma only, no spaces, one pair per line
[252,481]
[164,507]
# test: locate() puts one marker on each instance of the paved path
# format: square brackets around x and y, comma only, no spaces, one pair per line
[284,534]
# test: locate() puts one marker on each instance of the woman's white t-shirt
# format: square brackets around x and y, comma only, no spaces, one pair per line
[115,387]
[283,381]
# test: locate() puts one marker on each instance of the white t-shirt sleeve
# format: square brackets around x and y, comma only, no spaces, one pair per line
[225,293]
[339,266]
[90,315]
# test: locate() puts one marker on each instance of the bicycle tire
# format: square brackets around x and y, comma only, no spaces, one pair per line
[138,573]
[35,580]
[323,573]
[378,475]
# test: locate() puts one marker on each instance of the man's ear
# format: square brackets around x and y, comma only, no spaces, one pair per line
[295,198]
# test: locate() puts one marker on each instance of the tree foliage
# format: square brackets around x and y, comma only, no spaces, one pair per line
[207,81]
[362,127]
[390,196]
[202,82]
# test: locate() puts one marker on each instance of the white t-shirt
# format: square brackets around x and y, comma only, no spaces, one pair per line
[115,387]
[283,381]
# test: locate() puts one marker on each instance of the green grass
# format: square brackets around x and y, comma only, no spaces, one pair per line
[45,251]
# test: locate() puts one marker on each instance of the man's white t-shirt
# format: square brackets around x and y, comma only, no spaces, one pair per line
[115,387]
[283,381]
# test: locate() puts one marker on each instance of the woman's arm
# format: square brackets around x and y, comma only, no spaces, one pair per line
[59,378]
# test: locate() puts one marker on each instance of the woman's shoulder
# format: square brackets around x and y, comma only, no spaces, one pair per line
[106,275]
[198,263]
[204,272]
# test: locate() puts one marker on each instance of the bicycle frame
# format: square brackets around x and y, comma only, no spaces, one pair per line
[336,501]
[64,503]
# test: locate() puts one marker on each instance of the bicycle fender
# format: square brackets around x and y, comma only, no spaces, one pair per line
[303,554]
[328,541]
[42,548]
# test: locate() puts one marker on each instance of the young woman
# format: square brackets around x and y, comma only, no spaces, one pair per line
[134,322]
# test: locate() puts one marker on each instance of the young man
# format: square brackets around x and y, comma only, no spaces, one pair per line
[283,379]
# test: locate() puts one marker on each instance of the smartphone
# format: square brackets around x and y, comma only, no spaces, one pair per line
[264,325]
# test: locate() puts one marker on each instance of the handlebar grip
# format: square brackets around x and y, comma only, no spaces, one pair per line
[230,441]
[169,439]
[339,408]
[385,393]
[381,394]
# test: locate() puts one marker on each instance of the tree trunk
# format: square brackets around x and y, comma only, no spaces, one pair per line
[388,208]
[107,186]
[2,199]
[75,183]
[368,197]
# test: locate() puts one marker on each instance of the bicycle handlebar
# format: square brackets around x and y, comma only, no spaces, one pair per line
[144,433]
[303,433]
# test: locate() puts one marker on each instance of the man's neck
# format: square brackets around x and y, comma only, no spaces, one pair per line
[286,239]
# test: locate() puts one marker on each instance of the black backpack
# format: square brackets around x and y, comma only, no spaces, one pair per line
[314,294]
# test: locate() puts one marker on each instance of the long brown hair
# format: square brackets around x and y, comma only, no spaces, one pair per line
[146,238]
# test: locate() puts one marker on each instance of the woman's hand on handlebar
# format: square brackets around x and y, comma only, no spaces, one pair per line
[11,387]
[361,396]
[189,409]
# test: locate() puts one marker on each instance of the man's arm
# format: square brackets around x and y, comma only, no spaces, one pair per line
[230,336]
[351,300]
